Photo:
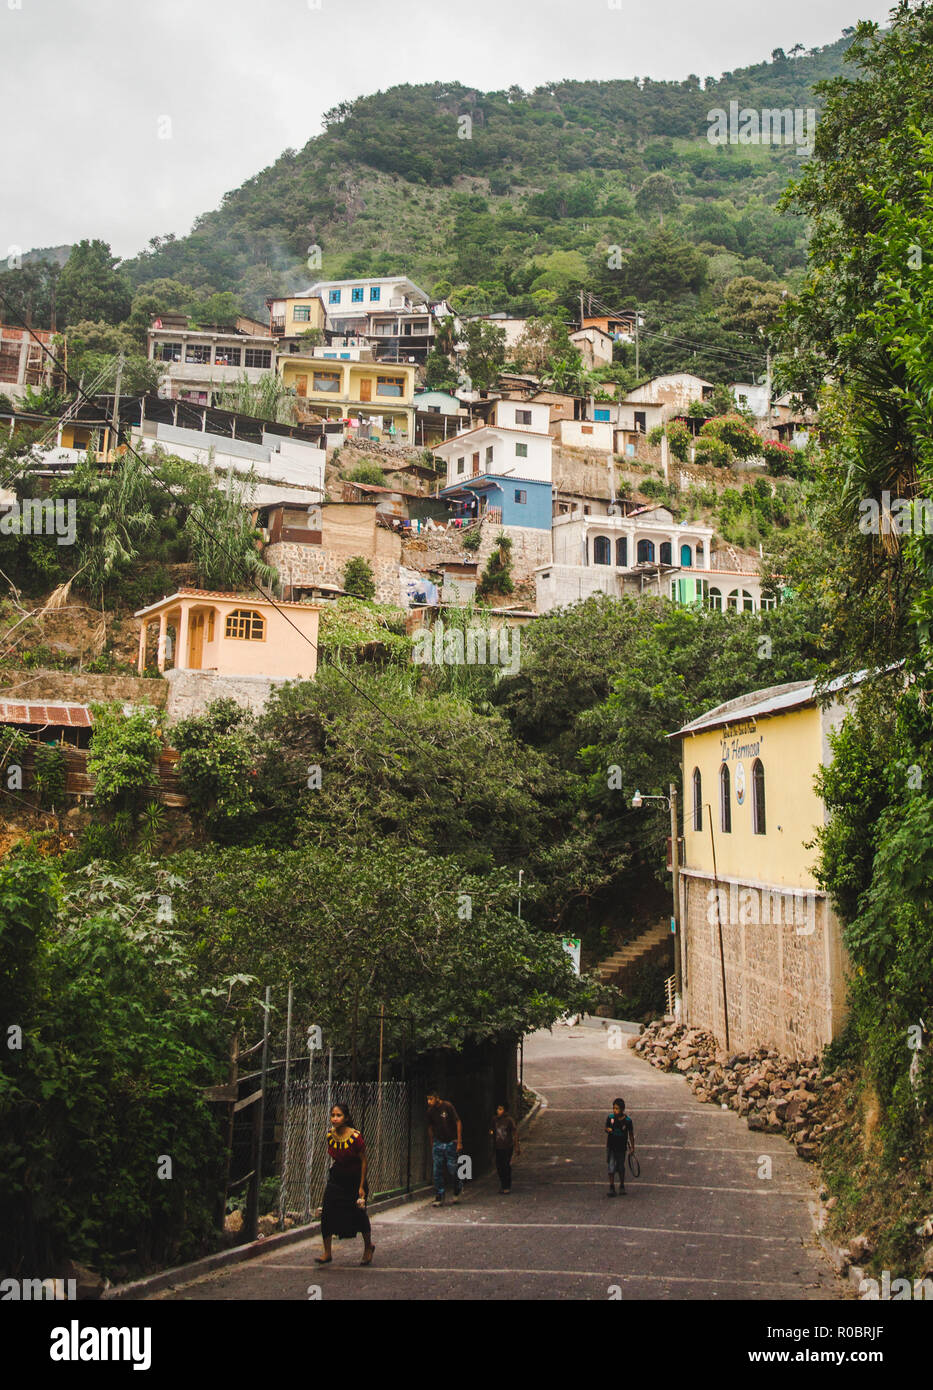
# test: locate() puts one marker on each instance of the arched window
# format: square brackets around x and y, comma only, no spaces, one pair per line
[665,552]
[686,557]
[697,800]
[602,550]
[741,600]
[245,623]
[645,551]
[622,552]
[715,599]
[758,797]
[725,801]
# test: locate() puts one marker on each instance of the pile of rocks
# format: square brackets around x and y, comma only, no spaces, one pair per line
[774,1093]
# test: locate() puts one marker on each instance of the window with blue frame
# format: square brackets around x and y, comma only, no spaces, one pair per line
[356,295]
[333,296]
[375,294]
[521,496]
[601,415]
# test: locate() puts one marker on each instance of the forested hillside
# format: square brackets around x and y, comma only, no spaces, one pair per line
[518,201]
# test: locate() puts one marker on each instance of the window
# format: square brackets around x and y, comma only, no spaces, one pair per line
[758,797]
[741,600]
[601,415]
[622,553]
[586,510]
[489,454]
[228,356]
[197,352]
[333,296]
[258,357]
[167,352]
[767,603]
[521,496]
[245,624]
[521,451]
[602,551]
[356,295]
[326,381]
[725,802]
[586,429]
[715,599]
[665,552]
[645,551]
[302,313]
[686,557]
[523,417]
[390,385]
[375,294]
[640,421]
[697,799]
[461,464]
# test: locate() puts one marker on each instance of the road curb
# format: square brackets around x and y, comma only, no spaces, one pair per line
[238,1254]
[595,1021]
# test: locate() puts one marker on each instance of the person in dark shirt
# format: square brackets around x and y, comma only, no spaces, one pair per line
[445,1133]
[505,1139]
[620,1138]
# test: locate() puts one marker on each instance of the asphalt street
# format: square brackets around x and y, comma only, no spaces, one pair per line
[704,1221]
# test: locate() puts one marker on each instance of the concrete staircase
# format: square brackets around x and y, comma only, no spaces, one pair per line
[652,944]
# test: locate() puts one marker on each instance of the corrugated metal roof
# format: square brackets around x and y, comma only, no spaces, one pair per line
[61,716]
[775,699]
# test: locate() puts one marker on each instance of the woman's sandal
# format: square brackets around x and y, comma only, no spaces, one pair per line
[319,1261]
[372,1252]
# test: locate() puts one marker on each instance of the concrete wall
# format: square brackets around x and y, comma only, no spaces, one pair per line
[190,692]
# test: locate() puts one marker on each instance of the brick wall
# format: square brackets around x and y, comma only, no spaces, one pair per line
[785,981]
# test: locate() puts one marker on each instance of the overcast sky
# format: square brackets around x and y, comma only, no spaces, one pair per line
[87,84]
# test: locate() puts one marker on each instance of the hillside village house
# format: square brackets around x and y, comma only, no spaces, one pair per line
[620,552]
[750,810]
[23,364]
[196,362]
[211,644]
[348,385]
[502,469]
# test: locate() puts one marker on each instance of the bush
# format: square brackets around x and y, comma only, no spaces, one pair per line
[123,749]
[358,578]
[367,472]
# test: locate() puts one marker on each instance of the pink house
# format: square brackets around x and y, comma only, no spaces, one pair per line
[231,635]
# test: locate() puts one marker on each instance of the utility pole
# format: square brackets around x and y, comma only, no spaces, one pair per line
[636,342]
[768,385]
[115,418]
[678,939]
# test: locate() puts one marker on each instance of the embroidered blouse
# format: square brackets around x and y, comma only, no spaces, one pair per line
[347,1152]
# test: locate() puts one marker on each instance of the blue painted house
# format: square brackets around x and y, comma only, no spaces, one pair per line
[512,501]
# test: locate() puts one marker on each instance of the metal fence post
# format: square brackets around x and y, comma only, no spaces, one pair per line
[283,1185]
[308,1133]
[259,1125]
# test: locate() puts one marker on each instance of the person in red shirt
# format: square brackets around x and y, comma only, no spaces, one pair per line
[343,1213]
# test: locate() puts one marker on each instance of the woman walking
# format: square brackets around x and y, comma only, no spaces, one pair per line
[343,1213]
[505,1138]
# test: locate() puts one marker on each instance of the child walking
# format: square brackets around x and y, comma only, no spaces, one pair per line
[620,1138]
[505,1138]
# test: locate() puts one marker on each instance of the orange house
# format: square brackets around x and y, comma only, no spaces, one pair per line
[231,635]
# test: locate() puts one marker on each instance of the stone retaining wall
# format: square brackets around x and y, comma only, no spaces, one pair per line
[76,687]
[190,692]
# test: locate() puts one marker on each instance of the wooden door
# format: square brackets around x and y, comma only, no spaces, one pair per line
[195,641]
[475,465]
[366,389]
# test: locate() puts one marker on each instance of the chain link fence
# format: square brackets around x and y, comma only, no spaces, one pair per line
[383,1113]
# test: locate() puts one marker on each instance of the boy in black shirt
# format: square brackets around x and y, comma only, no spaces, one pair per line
[620,1137]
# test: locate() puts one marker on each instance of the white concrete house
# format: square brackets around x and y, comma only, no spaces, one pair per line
[515,442]
[643,552]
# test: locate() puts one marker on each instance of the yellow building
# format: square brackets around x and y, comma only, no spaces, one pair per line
[750,812]
[335,386]
[291,316]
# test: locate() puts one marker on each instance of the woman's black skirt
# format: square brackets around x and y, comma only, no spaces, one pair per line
[340,1216]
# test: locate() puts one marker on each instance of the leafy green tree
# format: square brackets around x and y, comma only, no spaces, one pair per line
[91,288]
[485,353]
[748,305]
[223,539]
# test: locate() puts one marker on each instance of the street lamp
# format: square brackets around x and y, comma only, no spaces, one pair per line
[671,802]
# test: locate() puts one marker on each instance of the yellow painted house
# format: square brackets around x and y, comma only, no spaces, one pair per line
[293,315]
[752,914]
[335,386]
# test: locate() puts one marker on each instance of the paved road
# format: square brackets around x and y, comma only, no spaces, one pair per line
[699,1223]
